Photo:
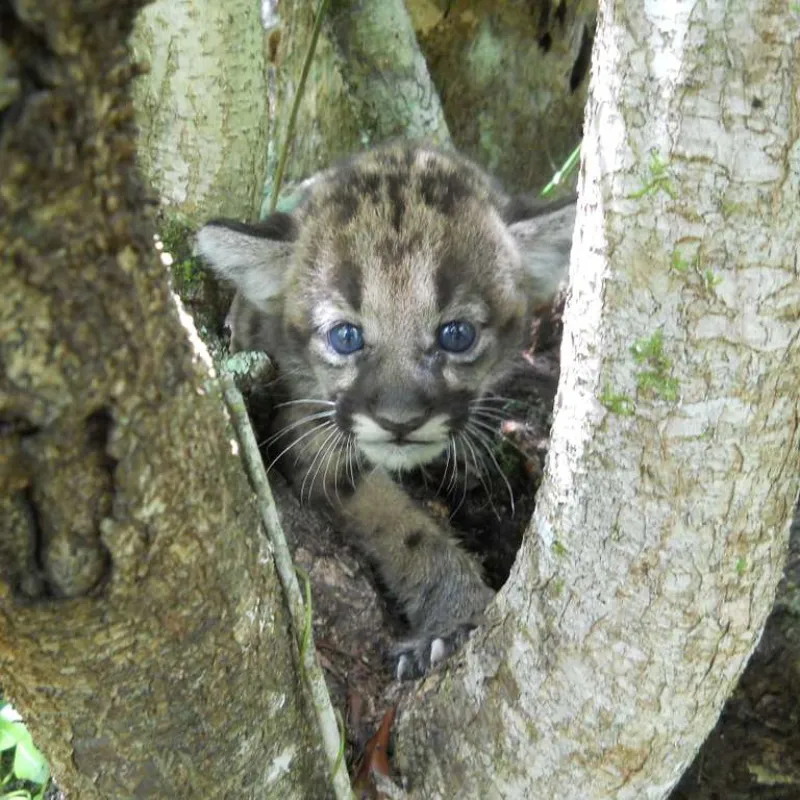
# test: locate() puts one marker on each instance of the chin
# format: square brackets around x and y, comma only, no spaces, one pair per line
[401,457]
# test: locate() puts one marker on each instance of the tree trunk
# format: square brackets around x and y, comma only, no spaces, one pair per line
[202,108]
[506,80]
[368,83]
[512,78]
[651,563]
[753,751]
[143,631]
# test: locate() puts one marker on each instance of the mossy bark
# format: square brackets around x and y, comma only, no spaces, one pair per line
[142,629]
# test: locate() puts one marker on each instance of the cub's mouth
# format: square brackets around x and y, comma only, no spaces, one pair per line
[401,455]
[404,450]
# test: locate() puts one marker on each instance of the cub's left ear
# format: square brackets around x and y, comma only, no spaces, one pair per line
[544,239]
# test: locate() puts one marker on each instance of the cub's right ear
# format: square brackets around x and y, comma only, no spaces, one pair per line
[543,233]
[253,257]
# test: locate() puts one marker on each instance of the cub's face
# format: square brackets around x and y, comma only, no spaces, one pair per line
[395,297]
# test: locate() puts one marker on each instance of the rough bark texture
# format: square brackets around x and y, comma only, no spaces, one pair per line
[202,108]
[652,559]
[142,630]
[512,76]
[754,750]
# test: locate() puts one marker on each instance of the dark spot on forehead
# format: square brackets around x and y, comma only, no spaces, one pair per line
[352,188]
[346,204]
[347,280]
[388,249]
[370,185]
[364,185]
[394,186]
[442,190]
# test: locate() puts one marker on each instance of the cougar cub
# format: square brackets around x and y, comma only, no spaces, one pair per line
[393,300]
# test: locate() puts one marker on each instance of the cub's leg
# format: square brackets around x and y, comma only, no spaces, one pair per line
[438,585]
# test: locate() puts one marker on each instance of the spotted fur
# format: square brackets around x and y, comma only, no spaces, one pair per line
[398,242]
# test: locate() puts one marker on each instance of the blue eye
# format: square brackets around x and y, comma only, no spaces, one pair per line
[345,338]
[456,336]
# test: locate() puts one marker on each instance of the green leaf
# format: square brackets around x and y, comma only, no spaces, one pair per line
[29,763]
[8,736]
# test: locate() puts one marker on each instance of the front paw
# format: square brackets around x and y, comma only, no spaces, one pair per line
[416,656]
[442,625]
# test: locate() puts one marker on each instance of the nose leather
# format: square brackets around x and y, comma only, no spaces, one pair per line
[403,428]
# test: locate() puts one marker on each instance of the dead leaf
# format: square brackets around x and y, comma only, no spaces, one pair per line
[375,758]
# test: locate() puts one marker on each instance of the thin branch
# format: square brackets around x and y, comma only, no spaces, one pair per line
[320,699]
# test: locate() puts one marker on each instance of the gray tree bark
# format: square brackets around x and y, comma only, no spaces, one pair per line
[202,108]
[143,631]
[651,563]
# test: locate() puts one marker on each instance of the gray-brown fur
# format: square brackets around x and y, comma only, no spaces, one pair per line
[398,242]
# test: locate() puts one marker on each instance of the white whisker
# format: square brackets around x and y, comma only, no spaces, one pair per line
[464,490]
[318,456]
[446,466]
[499,435]
[333,448]
[306,401]
[349,464]
[487,446]
[490,413]
[316,429]
[497,398]
[342,451]
[296,424]
[454,479]
[479,471]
